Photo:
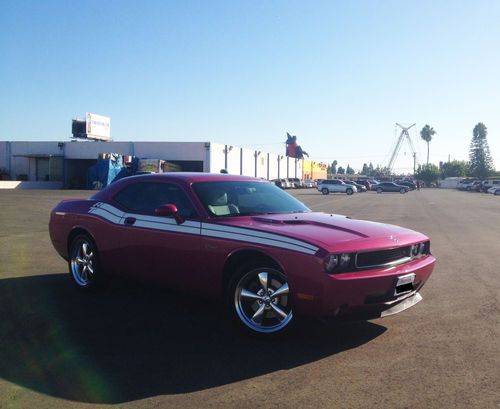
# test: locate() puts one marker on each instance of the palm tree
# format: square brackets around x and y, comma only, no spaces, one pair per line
[426,134]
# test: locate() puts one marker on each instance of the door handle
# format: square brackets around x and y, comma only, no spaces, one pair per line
[129,220]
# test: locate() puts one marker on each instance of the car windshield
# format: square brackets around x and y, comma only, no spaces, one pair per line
[243,198]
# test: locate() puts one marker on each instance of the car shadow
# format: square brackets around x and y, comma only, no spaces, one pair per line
[130,341]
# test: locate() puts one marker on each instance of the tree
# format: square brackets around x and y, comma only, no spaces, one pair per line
[428,173]
[349,170]
[333,168]
[426,134]
[340,170]
[380,171]
[365,170]
[481,163]
[454,168]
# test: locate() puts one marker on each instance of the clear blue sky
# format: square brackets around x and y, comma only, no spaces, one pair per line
[336,74]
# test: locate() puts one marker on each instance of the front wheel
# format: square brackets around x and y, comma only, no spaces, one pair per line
[325,191]
[379,190]
[260,301]
[83,262]
[349,191]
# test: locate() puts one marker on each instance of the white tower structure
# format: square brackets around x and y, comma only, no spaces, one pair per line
[402,136]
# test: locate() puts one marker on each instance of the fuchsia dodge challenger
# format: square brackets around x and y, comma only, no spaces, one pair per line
[243,240]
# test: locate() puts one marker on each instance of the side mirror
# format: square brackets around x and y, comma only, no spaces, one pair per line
[169,210]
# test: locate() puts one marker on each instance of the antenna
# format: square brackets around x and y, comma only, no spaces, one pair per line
[402,136]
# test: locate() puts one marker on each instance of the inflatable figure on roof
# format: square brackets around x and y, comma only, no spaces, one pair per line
[292,149]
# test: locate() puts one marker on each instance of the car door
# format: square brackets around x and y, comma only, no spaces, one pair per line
[338,186]
[158,248]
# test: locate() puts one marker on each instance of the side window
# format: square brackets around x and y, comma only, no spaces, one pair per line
[147,196]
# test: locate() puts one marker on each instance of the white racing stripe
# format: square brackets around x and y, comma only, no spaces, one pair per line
[244,234]
[256,240]
[114,215]
[105,214]
[258,234]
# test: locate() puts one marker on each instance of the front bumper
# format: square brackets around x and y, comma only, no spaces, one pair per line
[370,293]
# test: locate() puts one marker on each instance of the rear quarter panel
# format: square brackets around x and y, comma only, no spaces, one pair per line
[71,215]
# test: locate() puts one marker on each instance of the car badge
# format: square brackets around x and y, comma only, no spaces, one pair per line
[394,239]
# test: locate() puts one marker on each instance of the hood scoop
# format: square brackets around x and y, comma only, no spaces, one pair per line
[302,222]
[296,222]
[276,221]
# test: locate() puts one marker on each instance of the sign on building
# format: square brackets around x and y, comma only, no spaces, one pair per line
[97,127]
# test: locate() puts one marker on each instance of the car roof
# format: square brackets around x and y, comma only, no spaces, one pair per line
[191,177]
[184,178]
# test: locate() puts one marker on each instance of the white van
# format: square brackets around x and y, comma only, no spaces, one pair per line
[486,184]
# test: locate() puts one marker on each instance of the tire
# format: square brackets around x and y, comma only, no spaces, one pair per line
[83,263]
[349,191]
[379,190]
[497,193]
[402,190]
[252,305]
[325,191]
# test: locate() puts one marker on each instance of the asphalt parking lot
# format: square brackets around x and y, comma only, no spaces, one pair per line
[138,347]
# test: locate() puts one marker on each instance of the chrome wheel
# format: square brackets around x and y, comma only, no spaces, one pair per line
[325,191]
[262,301]
[83,261]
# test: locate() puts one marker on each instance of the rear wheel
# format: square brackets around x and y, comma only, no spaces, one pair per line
[325,191]
[402,190]
[349,191]
[497,193]
[83,262]
[379,190]
[259,299]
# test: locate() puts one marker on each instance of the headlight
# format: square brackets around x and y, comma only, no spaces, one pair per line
[422,248]
[344,260]
[415,249]
[337,263]
[331,262]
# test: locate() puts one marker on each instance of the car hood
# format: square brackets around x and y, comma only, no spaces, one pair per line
[331,232]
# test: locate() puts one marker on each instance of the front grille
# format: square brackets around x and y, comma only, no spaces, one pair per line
[383,257]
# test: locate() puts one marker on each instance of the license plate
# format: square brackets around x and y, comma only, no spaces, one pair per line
[404,284]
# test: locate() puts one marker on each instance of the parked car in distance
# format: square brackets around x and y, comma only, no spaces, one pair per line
[365,183]
[391,187]
[291,183]
[264,253]
[468,184]
[410,185]
[298,183]
[360,188]
[336,186]
[309,183]
[282,183]
[495,190]
[279,183]
[477,186]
